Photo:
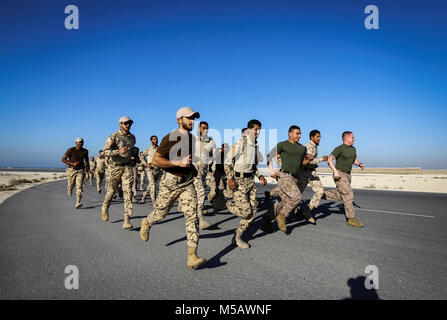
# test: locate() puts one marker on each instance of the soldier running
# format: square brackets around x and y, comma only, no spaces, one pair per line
[241,169]
[76,159]
[100,169]
[293,156]
[140,172]
[120,148]
[345,156]
[308,175]
[206,151]
[174,156]
[153,173]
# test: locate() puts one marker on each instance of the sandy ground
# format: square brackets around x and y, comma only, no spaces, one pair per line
[405,179]
[398,179]
[43,177]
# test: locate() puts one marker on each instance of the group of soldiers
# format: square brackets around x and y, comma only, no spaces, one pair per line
[182,162]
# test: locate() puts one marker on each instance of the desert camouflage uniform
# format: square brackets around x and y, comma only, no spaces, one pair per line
[100,169]
[308,175]
[90,174]
[120,168]
[153,174]
[75,176]
[141,173]
[135,177]
[242,158]
[204,148]
[343,192]
[289,193]
[173,187]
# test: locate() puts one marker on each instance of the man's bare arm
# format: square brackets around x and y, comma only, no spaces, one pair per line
[163,163]
[69,163]
[358,163]
[330,162]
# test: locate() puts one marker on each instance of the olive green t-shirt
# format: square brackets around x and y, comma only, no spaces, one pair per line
[292,155]
[345,157]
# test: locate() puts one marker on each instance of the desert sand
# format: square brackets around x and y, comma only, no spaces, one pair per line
[12,182]
[397,179]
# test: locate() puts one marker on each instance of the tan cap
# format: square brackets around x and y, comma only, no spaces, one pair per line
[187,112]
[79,140]
[125,119]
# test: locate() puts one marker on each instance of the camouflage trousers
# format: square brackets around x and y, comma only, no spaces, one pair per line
[99,176]
[343,192]
[140,176]
[153,175]
[119,175]
[289,193]
[310,177]
[199,184]
[88,176]
[216,182]
[172,188]
[134,183]
[245,203]
[75,177]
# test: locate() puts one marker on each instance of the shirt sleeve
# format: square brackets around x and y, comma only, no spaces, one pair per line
[276,150]
[67,153]
[164,148]
[228,163]
[109,148]
[336,152]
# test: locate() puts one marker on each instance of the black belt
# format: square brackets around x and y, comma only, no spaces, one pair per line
[122,164]
[244,174]
[292,174]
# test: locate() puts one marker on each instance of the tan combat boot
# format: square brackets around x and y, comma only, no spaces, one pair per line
[238,241]
[211,195]
[144,230]
[354,223]
[143,200]
[104,214]
[193,260]
[306,213]
[204,211]
[127,225]
[202,223]
[281,220]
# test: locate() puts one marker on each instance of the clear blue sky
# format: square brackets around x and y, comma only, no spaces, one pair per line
[310,63]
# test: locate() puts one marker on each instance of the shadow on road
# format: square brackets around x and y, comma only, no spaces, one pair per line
[324,210]
[359,291]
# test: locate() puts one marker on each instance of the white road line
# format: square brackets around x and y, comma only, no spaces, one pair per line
[399,213]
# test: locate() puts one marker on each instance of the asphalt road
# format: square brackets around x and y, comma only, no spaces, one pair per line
[404,236]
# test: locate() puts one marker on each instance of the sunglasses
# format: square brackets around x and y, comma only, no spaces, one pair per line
[128,123]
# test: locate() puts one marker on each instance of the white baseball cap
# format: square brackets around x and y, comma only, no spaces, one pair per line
[79,140]
[187,112]
[125,119]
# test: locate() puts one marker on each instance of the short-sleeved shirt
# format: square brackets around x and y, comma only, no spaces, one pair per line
[77,155]
[175,146]
[345,157]
[292,155]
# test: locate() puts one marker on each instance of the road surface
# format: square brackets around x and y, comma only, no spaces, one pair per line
[404,237]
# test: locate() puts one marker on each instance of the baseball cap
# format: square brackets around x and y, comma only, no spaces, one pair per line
[187,112]
[79,140]
[125,119]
